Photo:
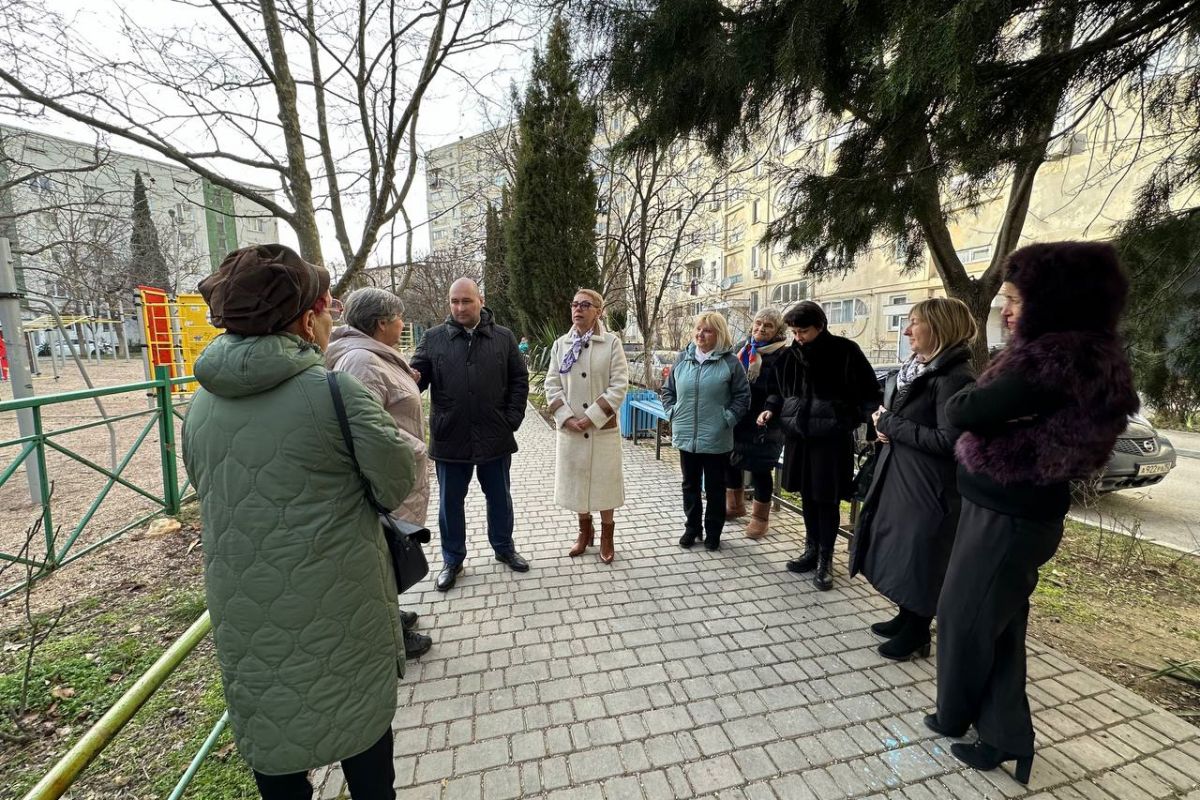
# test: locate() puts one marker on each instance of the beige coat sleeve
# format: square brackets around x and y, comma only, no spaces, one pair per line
[556,392]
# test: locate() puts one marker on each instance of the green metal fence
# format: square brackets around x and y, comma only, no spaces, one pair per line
[57,551]
[57,547]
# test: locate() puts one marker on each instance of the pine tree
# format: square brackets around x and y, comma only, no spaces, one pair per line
[495,268]
[147,267]
[551,237]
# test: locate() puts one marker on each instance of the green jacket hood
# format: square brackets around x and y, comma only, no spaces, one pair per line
[240,366]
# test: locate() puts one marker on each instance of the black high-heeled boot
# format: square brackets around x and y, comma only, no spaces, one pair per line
[890,628]
[931,722]
[912,640]
[983,756]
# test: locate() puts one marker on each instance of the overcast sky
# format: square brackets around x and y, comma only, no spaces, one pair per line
[467,99]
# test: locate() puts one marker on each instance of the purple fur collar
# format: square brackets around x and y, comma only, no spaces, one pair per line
[1077,440]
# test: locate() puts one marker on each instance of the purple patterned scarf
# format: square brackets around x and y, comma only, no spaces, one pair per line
[577,343]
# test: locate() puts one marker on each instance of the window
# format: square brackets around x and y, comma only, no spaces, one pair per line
[754,261]
[897,322]
[841,312]
[754,302]
[785,294]
[897,300]
[41,184]
[973,255]
[438,235]
[754,211]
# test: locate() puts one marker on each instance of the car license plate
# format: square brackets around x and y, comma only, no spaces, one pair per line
[1153,469]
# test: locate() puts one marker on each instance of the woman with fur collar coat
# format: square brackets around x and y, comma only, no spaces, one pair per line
[1045,412]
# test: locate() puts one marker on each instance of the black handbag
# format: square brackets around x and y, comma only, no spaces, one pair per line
[865,475]
[404,539]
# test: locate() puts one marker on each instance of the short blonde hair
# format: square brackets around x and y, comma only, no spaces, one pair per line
[716,321]
[597,300]
[949,320]
[772,315]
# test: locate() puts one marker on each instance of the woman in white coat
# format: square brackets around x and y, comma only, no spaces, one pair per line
[585,384]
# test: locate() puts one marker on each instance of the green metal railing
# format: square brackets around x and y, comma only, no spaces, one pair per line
[34,448]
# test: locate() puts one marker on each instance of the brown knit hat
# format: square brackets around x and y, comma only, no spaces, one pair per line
[262,289]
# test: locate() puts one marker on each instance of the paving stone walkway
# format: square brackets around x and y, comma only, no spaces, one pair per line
[682,673]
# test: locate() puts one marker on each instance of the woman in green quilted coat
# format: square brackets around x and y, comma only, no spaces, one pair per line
[299,582]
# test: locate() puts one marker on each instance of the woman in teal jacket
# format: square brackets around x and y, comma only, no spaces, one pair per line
[298,578]
[706,395]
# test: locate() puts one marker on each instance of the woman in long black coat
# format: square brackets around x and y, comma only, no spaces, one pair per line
[906,529]
[1046,411]
[828,389]
[756,446]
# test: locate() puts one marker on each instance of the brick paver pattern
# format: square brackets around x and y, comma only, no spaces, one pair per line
[685,673]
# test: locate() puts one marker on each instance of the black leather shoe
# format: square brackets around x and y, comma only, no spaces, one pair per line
[823,580]
[408,619]
[445,578]
[983,756]
[712,542]
[806,561]
[931,722]
[688,539]
[514,561]
[416,644]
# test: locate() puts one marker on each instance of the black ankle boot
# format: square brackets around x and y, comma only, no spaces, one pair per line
[983,756]
[823,580]
[890,628]
[689,538]
[911,641]
[806,561]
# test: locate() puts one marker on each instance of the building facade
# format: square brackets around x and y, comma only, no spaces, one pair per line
[461,179]
[66,208]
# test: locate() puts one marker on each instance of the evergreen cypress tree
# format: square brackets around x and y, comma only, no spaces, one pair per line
[147,267]
[495,268]
[551,237]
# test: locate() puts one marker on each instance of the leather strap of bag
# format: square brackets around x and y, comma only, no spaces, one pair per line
[340,407]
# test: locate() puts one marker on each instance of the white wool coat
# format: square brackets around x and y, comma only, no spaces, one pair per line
[385,372]
[588,475]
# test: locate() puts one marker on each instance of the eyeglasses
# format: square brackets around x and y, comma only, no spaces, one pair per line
[336,308]
[582,305]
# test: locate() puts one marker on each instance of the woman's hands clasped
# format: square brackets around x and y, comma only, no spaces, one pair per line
[879,435]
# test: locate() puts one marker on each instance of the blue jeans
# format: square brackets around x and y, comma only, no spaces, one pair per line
[453,481]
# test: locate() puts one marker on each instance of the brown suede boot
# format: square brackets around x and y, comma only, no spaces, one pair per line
[735,503]
[607,553]
[760,518]
[586,534]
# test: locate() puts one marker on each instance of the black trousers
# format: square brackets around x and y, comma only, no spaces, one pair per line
[763,482]
[821,521]
[370,775]
[711,468]
[982,616]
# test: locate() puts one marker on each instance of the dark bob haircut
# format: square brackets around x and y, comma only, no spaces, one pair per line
[806,314]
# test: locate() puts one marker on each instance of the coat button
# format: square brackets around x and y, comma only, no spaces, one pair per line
[585,374]
[587,345]
[585,436]
[585,405]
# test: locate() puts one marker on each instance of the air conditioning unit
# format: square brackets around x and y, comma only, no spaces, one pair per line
[758,272]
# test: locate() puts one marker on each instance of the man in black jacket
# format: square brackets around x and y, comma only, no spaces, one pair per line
[478,386]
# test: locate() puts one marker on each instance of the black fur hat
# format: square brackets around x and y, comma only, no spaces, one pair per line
[1068,286]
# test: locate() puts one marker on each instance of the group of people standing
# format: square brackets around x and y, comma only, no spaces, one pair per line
[965,501]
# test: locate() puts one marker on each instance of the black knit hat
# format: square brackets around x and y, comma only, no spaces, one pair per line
[262,289]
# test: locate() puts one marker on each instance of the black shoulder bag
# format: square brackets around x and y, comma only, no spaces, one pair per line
[404,539]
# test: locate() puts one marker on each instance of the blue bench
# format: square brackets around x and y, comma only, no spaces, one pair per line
[652,407]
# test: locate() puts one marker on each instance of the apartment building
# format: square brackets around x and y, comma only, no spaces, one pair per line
[1084,189]
[66,205]
[461,179]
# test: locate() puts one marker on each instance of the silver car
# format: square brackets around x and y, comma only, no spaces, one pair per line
[1142,457]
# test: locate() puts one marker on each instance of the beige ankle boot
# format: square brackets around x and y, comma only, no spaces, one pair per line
[760,519]
[735,503]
